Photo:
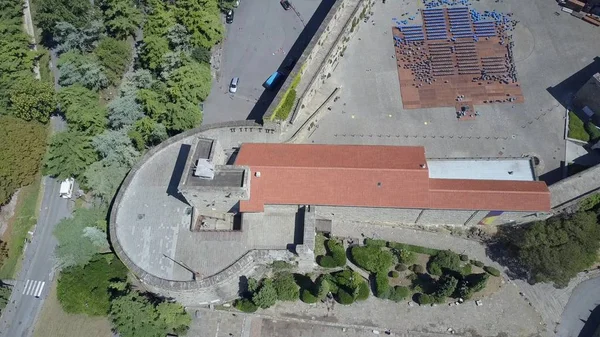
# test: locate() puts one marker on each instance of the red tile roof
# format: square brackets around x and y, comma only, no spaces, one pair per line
[372,176]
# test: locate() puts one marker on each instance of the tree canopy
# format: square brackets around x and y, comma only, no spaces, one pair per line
[372,258]
[557,249]
[70,154]
[32,99]
[114,56]
[121,17]
[22,146]
[86,288]
[76,68]
[81,237]
[49,12]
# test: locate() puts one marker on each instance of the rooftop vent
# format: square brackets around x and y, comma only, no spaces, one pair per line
[257,174]
[423,165]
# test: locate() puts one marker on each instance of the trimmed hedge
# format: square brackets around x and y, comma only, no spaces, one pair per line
[245,305]
[363,291]
[424,299]
[477,263]
[444,259]
[372,258]
[472,284]
[344,297]
[399,293]
[418,269]
[393,274]
[466,270]
[376,243]
[401,267]
[307,297]
[593,131]
[464,257]
[492,271]
[336,255]
[382,286]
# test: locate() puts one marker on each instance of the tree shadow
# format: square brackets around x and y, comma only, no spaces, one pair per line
[304,282]
[501,249]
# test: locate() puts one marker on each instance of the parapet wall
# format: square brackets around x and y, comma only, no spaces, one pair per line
[321,55]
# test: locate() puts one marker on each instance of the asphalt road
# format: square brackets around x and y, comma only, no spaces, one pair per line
[584,299]
[37,270]
[255,45]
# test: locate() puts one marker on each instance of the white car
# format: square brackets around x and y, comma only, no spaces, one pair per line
[234,84]
[66,188]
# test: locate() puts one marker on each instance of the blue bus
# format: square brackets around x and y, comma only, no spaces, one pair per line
[273,80]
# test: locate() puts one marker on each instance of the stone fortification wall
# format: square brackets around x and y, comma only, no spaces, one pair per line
[222,286]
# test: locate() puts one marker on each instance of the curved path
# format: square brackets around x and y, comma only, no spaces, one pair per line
[584,299]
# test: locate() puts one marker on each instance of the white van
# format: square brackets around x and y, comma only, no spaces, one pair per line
[66,188]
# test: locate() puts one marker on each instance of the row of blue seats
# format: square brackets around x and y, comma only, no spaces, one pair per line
[484,24]
[410,28]
[485,31]
[456,9]
[486,34]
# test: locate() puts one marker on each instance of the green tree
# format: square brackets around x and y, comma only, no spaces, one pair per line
[161,17]
[557,249]
[149,131]
[182,115]
[202,19]
[115,147]
[286,287]
[121,17]
[322,288]
[81,237]
[444,259]
[445,286]
[382,286]
[124,111]
[70,154]
[49,12]
[152,51]
[32,99]
[69,38]
[174,316]
[104,178]
[85,289]
[114,56]
[201,55]
[134,315]
[266,296]
[372,258]
[191,82]
[22,147]
[76,68]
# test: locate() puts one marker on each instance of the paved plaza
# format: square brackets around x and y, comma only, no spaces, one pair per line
[548,50]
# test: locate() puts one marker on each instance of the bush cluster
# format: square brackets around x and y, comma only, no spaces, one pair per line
[477,263]
[472,284]
[492,271]
[417,269]
[376,243]
[401,267]
[347,286]
[412,248]
[424,299]
[464,257]
[336,256]
[399,293]
[307,297]
[372,258]
[394,274]
[443,260]
[382,286]
[245,305]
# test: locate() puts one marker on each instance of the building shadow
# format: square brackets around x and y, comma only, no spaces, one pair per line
[178,169]
[293,55]
[555,175]
[592,324]
[564,91]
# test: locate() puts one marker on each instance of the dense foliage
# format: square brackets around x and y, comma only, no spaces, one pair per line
[336,255]
[443,260]
[557,249]
[81,237]
[372,258]
[22,146]
[86,288]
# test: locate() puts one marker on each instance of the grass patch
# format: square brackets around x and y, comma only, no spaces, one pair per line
[24,219]
[577,128]
[53,321]
[590,202]
[285,106]
[320,244]
[413,248]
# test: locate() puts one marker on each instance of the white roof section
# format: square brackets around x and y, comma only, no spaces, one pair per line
[493,169]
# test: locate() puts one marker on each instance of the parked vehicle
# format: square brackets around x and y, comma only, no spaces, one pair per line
[229,16]
[285,4]
[273,80]
[66,188]
[234,84]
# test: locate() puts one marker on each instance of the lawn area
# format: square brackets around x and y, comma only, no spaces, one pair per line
[25,217]
[53,321]
[577,128]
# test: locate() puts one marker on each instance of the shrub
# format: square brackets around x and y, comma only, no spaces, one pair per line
[286,287]
[280,265]
[372,259]
[405,256]
[337,252]
[382,287]
[399,293]
[375,243]
[443,260]
[307,297]
[464,257]
[282,111]
[492,271]
[477,263]
[245,305]
[424,299]
[326,261]
[472,284]
[344,297]
[401,267]
[466,270]
[266,296]
[593,131]
[363,291]
[394,274]
[576,128]
[418,269]
[590,202]
[322,288]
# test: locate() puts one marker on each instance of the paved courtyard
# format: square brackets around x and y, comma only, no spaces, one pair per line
[548,49]
[256,43]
